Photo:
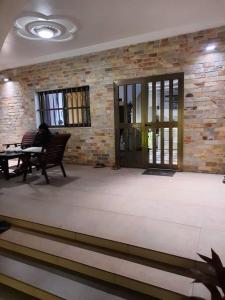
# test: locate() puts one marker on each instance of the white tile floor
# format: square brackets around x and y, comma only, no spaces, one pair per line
[180,215]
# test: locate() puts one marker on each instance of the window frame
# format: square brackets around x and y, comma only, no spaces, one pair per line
[84,110]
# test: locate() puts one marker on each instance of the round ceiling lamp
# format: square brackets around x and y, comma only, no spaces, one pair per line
[43,28]
[45,33]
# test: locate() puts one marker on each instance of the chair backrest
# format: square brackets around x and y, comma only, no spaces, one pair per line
[28,139]
[55,149]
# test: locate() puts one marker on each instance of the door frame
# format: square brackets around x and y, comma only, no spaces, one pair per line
[144,81]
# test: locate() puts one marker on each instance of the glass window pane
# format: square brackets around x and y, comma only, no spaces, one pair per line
[175,144]
[122,140]
[69,100]
[80,116]
[138,145]
[166,100]
[150,145]
[150,102]
[175,100]
[166,145]
[158,99]
[121,103]
[79,99]
[138,103]
[129,104]
[70,116]
[60,100]
[158,146]
[130,138]
[74,100]
[50,101]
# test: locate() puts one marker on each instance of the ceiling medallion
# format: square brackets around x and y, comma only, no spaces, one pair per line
[55,29]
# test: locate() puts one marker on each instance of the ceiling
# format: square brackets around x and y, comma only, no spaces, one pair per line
[102,24]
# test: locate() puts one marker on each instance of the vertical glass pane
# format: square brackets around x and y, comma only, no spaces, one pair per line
[121,93]
[70,116]
[158,99]
[129,141]
[80,116]
[79,99]
[166,145]
[138,146]
[138,103]
[74,100]
[50,101]
[121,103]
[158,146]
[47,114]
[60,99]
[166,99]
[122,140]
[129,104]
[150,145]
[83,98]
[69,100]
[175,144]
[150,102]
[84,116]
[175,100]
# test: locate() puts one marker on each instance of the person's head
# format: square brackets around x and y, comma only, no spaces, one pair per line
[43,127]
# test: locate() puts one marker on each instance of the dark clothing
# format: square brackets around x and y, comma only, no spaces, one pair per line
[42,139]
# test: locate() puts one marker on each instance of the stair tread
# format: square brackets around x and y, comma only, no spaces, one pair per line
[49,282]
[116,266]
[125,229]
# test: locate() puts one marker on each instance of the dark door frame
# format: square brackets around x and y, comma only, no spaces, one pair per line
[144,81]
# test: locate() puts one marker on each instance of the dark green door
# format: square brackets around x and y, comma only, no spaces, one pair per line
[148,122]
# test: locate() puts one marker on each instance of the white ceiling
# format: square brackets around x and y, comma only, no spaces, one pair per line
[102,24]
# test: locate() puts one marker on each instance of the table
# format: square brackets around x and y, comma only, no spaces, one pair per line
[4,162]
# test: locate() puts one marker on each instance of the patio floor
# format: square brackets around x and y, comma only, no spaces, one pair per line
[181,215]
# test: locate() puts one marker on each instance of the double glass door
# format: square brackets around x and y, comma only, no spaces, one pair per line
[148,122]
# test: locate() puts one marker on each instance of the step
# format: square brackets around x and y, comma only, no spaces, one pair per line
[109,242]
[139,278]
[7,293]
[41,282]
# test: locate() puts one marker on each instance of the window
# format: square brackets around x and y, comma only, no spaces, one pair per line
[65,107]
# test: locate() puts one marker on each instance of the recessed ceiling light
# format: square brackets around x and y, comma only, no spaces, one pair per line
[45,33]
[210,47]
[5,79]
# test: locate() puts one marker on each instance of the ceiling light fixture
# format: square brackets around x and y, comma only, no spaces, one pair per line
[45,33]
[210,47]
[56,29]
[6,79]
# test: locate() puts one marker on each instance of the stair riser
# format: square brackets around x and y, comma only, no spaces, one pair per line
[93,272]
[107,244]
[27,289]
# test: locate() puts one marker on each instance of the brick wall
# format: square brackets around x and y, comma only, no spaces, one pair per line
[204,114]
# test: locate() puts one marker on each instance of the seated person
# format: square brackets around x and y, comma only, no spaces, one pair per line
[42,138]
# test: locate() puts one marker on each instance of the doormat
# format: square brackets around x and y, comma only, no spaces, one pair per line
[159,172]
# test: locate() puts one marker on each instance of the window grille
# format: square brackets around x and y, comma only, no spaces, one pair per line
[65,107]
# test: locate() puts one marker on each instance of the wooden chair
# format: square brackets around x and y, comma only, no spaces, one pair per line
[50,157]
[27,141]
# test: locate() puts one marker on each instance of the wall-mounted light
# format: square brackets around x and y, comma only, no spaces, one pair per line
[210,47]
[4,78]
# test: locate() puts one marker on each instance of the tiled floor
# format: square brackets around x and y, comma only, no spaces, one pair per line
[180,215]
